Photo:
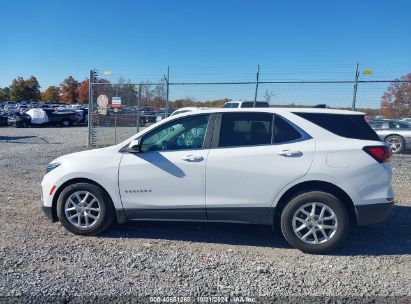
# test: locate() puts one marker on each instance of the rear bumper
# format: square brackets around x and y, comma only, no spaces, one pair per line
[373,213]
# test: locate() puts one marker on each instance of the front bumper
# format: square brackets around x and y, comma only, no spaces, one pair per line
[48,211]
[373,213]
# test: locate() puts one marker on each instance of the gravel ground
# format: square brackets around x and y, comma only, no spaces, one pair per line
[39,258]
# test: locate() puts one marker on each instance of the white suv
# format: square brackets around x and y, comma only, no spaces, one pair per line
[311,172]
[245,104]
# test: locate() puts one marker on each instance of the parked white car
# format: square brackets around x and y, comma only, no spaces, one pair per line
[181,111]
[309,171]
[188,109]
[245,104]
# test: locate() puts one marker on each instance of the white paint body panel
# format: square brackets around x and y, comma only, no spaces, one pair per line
[98,165]
[251,176]
[173,182]
[237,177]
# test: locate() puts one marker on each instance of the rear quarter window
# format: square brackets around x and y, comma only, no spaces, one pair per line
[349,126]
[284,132]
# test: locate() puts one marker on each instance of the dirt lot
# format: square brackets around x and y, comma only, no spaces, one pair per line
[39,258]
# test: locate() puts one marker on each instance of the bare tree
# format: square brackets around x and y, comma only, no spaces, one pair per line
[268,95]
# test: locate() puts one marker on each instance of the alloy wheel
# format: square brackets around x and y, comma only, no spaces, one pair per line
[315,223]
[82,209]
[395,144]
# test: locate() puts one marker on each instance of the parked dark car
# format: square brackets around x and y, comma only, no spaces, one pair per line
[19,119]
[53,117]
[82,115]
[3,119]
[62,118]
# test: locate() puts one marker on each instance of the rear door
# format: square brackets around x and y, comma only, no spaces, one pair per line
[253,156]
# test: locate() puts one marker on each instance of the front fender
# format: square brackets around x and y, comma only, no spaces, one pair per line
[101,171]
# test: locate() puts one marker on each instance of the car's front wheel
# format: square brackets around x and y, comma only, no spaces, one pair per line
[315,222]
[85,209]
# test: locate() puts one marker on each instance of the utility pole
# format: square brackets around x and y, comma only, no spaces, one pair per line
[167,78]
[138,108]
[354,97]
[90,107]
[256,86]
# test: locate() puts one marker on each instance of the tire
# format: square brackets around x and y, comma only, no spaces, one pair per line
[305,201]
[102,219]
[396,143]
[20,124]
[65,123]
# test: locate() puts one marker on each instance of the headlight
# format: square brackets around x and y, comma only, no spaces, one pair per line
[52,166]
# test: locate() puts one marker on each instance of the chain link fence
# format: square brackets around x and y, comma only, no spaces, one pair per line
[118,111]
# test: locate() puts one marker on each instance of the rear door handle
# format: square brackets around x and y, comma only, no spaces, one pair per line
[192,158]
[290,153]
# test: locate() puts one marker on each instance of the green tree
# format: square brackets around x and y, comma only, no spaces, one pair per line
[51,94]
[69,90]
[22,89]
[6,93]
[17,89]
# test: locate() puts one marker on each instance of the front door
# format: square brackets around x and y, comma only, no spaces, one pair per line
[166,179]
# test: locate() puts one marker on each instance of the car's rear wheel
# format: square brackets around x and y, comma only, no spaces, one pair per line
[396,144]
[85,209]
[315,222]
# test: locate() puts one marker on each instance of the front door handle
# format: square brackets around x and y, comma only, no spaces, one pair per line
[290,153]
[192,158]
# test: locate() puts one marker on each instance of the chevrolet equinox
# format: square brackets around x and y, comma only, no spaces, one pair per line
[310,172]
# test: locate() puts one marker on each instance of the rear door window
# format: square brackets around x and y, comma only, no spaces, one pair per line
[246,129]
[349,126]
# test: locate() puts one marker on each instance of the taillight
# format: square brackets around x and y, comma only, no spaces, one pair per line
[381,154]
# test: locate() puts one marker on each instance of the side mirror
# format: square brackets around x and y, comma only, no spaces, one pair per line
[134,146]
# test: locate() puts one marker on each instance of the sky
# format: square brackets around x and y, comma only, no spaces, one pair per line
[204,40]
